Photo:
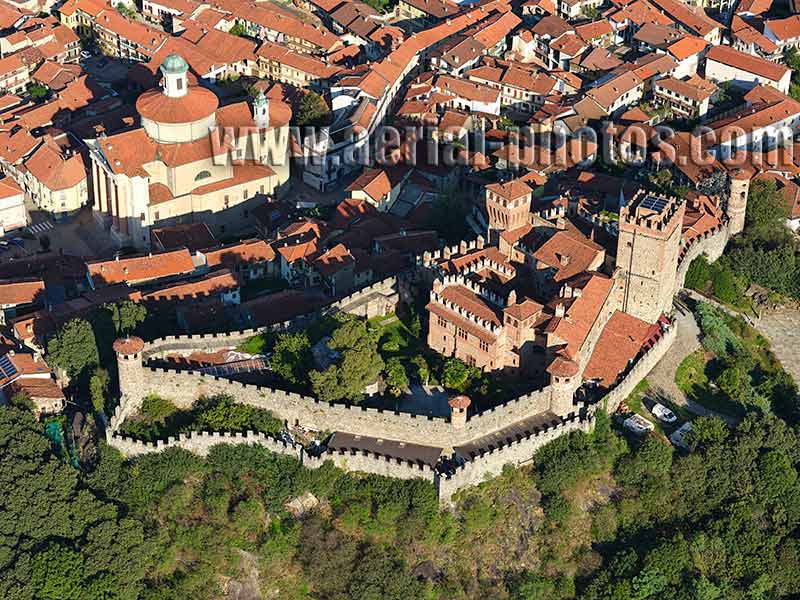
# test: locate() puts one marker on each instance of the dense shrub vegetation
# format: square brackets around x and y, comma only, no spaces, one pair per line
[594,517]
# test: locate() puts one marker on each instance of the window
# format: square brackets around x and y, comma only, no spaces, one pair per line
[470,360]
[202,175]
[484,346]
[462,334]
[441,322]
[179,84]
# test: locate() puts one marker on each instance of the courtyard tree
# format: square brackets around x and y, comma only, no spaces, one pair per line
[74,348]
[126,316]
[396,377]
[358,366]
[314,111]
[291,357]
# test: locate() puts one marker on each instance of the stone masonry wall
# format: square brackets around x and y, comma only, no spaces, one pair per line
[184,387]
[377,293]
[712,244]
[516,453]
[200,443]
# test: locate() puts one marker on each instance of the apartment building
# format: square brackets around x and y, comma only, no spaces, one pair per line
[724,63]
[687,98]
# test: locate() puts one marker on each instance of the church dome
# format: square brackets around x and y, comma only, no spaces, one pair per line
[174,64]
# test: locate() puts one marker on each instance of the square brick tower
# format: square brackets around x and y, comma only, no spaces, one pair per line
[647,253]
[508,206]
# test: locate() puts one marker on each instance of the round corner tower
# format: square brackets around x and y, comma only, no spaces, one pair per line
[563,381]
[458,411]
[130,370]
[737,200]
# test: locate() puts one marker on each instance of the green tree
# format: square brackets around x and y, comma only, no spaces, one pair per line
[766,210]
[98,388]
[60,540]
[726,285]
[238,29]
[126,316]
[456,375]
[38,91]
[313,111]
[396,377]
[698,274]
[74,348]
[358,366]
[423,370]
[291,357]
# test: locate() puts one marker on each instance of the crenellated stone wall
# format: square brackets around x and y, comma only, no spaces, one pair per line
[200,443]
[518,452]
[712,243]
[183,388]
[376,297]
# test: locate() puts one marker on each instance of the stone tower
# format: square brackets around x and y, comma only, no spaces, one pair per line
[458,411]
[508,206]
[563,382]
[131,372]
[737,200]
[261,111]
[176,83]
[647,253]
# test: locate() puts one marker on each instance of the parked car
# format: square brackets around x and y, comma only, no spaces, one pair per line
[638,425]
[85,54]
[663,414]
[678,437]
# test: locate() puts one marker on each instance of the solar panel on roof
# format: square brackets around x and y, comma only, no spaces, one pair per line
[7,368]
[654,203]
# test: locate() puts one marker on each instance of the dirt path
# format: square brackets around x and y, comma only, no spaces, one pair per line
[662,377]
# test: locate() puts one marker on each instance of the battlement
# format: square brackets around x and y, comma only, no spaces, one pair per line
[653,212]
[200,443]
[429,258]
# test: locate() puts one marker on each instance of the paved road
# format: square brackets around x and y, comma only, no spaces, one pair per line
[782,329]
[662,377]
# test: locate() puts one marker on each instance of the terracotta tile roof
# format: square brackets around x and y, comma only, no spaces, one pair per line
[655,34]
[192,236]
[37,388]
[750,35]
[551,26]
[280,307]
[755,117]
[296,247]
[753,7]
[136,269]
[695,87]
[695,20]
[458,264]
[197,104]
[373,182]
[350,210]
[54,170]
[620,342]
[784,29]
[9,188]
[569,253]
[333,260]
[608,93]
[20,292]
[747,62]
[581,312]
[701,215]
[212,284]
[148,39]
[687,46]
[510,190]
[472,303]
[594,30]
[653,64]
[233,255]
[11,64]
[16,144]
[569,45]
[640,13]
[301,62]
[524,310]
[599,59]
